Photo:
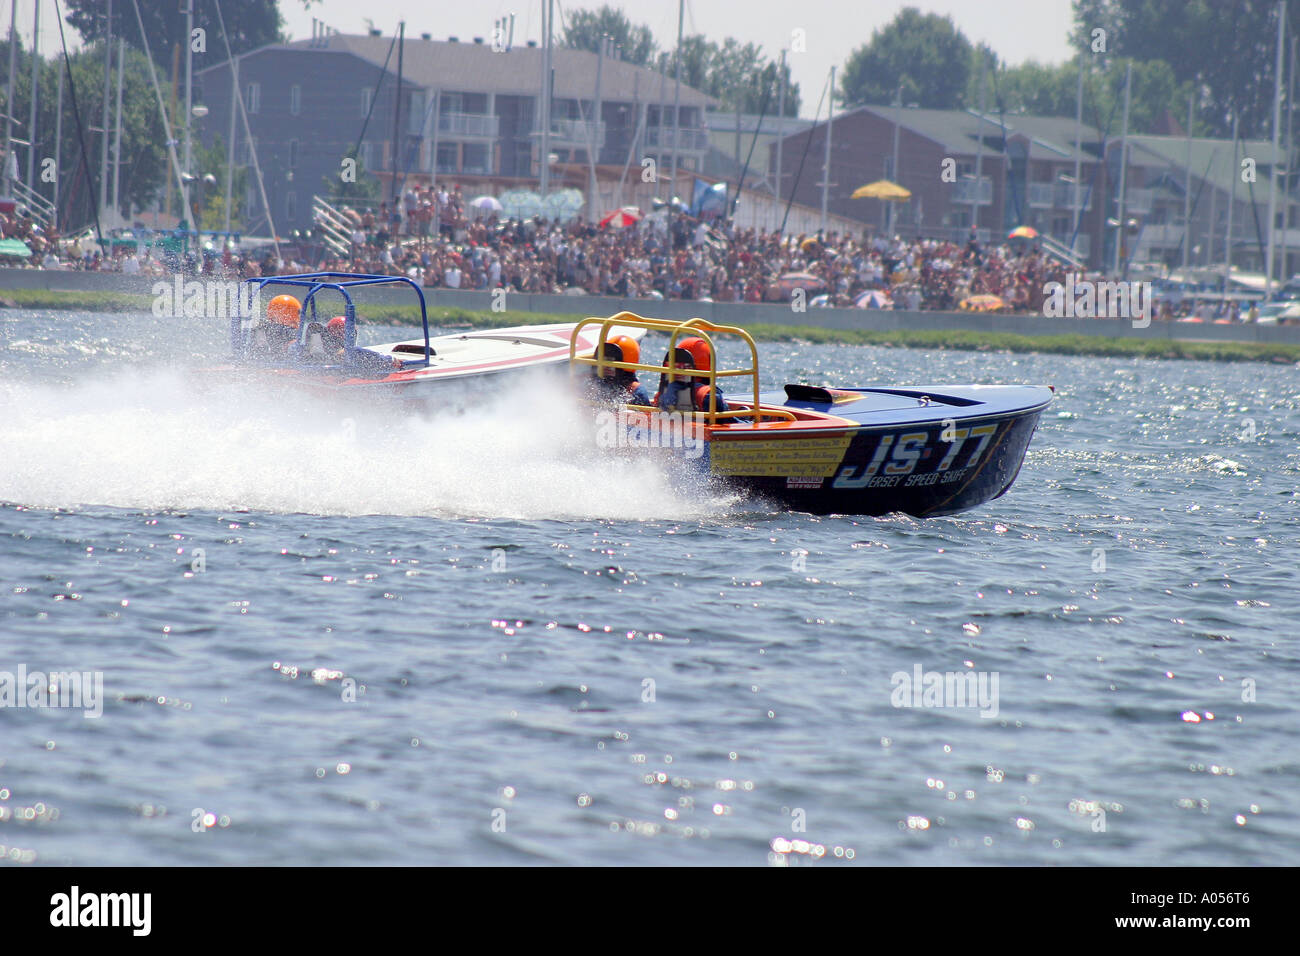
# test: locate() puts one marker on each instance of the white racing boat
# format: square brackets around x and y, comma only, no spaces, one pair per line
[292,341]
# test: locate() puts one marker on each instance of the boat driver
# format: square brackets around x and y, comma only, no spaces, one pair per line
[619,385]
[364,360]
[281,327]
[688,394]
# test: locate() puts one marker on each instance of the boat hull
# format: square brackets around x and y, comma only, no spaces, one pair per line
[853,485]
[922,451]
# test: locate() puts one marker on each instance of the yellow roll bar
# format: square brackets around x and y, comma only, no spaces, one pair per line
[677,330]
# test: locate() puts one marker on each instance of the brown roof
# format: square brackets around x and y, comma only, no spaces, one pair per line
[477,68]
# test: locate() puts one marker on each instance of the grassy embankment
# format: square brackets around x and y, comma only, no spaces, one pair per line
[905,338]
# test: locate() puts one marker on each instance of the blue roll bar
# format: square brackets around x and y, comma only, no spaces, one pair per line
[314,282]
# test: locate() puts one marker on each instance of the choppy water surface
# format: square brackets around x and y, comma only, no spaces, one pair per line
[561,657]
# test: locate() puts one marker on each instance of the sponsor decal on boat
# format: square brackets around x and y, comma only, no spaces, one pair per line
[785,457]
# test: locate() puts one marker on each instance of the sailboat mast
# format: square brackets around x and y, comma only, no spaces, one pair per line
[108,90]
[58,140]
[117,135]
[397,106]
[230,146]
[9,100]
[36,76]
[1277,126]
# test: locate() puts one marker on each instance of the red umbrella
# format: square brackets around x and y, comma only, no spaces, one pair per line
[621,218]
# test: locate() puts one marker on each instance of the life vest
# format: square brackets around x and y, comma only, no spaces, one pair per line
[687,397]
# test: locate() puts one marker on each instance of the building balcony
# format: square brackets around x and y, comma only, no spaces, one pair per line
[575,134]
[1138,201]
[688,140]
[1063,197]
[468,126]
[1042,195]
[1058,196]
[966,191]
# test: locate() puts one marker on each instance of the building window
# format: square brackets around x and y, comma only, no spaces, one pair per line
[448,160]
[291,205]
[367,93]
[293,154]
[254,97]
[415,113]
[477,159]
[295,99]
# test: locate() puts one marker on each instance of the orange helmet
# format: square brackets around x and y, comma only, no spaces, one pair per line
[284,310]
[337,325]
[701,355]
[628,350]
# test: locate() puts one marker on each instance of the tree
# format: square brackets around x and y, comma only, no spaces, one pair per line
[924,53]
[144,153]
[211,198]
[737,75]
[365,186]
[250,24]
[586,27]
[1226,48]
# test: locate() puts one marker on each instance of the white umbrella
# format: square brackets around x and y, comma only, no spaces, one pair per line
[485,204]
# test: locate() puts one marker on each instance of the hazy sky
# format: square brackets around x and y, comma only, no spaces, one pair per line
[1017,29]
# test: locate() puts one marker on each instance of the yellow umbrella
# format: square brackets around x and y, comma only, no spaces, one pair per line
[882,189]
[1023,232]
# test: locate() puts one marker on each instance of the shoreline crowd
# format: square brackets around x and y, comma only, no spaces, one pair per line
[435,239]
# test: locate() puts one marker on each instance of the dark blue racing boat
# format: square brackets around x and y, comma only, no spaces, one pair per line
[925,450]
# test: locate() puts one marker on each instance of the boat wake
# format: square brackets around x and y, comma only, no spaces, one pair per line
[154,440]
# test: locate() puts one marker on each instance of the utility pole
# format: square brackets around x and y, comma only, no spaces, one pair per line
[893,165]
[1187,183]
[1277,128]
[595,149]
[58,135]
[9,118]
[433,166]
[230,143]
[1288,184]
[108,89]
[677,103]
[548,13]
[117,136]
[36,75]
[1123,165]
[1078,159]
[979,148]
[397,113]
[189,89]
[780,127]
[826,176]
[1232,192]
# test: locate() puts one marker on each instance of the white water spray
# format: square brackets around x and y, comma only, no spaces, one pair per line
[155,440]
